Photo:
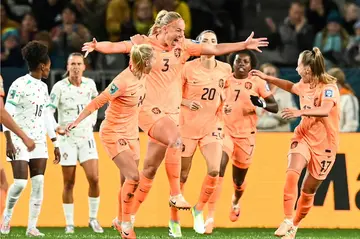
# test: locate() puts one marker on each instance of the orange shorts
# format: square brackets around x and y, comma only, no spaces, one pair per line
[239,150]
[118,145]
[148,116]
[189,145]
[318,166]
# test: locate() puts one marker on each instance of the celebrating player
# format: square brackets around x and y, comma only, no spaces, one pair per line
[203,81]
[69,96]
[12,126]
[119,131]
[26,102]
[315,140]
[242,94]
[159,115]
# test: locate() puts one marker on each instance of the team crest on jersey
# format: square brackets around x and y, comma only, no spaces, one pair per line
[221,83]
[113,89]
[248,85]
[156,110]
[65,156]
[177,52]
[294,144]
[122,142]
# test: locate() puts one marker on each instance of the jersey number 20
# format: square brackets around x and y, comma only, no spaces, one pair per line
[209,94]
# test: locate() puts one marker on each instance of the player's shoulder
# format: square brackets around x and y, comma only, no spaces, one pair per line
[193,63]
[88,80]
[224,66]
[61,83]
[21,81]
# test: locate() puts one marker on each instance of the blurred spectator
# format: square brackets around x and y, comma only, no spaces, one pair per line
[177,6]
[19,8]
[290,38]
[28,28]
[58,60]
[140,21]
[48,12]
[349,104]
[333,40]
[11,49]
[69,36]
[117,13]
[351,15]
[353,49]
[317,12]
[274,122]
[6,22]
[93,15]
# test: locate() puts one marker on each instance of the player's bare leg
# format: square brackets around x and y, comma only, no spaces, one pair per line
[239,175]
[4,186]
[69,173]
[129,168]
[296,164]
[91,170]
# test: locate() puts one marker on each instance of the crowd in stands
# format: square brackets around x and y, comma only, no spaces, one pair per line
[64,25]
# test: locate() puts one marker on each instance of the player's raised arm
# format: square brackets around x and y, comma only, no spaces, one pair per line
[107,47]
[283,84]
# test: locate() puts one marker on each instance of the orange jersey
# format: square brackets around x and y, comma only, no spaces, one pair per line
[241,122]
[125,94]
[2,93]
[163,85]
[320,133]
[204,86]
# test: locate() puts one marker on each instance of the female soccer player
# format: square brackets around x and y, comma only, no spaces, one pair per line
[69,96]
[160,111]
[203,80]
[27,100]
[315,140]
[242,94]
[119,131]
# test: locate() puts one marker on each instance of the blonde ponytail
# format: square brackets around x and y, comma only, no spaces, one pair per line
[163,18]
[139,55]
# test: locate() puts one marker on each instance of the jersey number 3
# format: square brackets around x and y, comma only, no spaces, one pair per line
[166,65]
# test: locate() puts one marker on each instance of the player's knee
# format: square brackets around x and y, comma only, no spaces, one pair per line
[19,185]
[94,181]
[69,185]
[213,173]
[134,176]
[238,182]
[183,176]
[309,190]
[150,171]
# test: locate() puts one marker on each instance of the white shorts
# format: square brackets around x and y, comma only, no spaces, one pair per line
[40,151]
[73,150]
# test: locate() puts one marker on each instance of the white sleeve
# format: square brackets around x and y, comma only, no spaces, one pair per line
[350,110]
[11,109]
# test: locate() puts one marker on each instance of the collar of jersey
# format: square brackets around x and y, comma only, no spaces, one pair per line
[31,79]
[69,83]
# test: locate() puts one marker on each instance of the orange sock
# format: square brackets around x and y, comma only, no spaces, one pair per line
[239,190]
[304,205]
[3,194]
[173,168]
[174,212]
[214,197]
[119,215]
[290,192]
[142,191]
[207,189]
[127,198]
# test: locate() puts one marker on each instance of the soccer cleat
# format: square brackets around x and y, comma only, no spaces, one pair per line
[70,229]
[284,227]
[95,225]
[234,213]
[199,225]
[174,229]
[179,202]
[291,233]
[5,225]
[116,224]
[209,226]
[127,231]
[34,232]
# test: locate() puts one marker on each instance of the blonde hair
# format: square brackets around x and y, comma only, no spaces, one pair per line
[163,18]
[340,76]
[315,60]
[265,65]
[139,55]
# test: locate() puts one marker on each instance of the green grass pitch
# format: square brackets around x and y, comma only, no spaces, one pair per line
[154,233]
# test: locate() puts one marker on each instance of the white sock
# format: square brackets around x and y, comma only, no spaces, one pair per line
[93,207]
[13,195]
[36,198]
[69,213]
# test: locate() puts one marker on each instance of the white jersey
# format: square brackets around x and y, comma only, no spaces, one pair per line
[29,96]
[70,100]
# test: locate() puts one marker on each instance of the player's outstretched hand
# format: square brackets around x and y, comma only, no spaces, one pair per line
[61,131]
[290,113]
[89,47]
[255,43]
[70,126]
[29,143]
[57,155]
[258,74]
[227,109]
[10,150]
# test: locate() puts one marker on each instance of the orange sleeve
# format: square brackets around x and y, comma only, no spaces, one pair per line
[264,89]
[114,90]
[296,89]
[193,48]
[128,45]
[329,93]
